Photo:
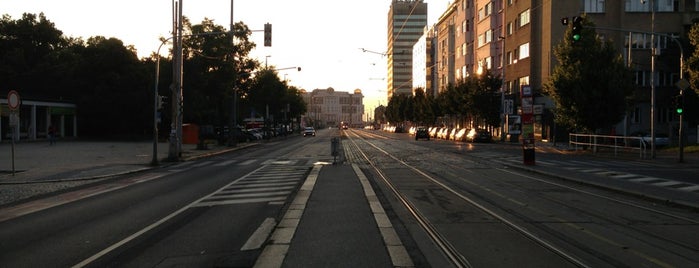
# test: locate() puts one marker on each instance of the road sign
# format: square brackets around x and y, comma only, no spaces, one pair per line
[13,100]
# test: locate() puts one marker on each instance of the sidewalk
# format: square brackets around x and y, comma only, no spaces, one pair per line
[335,220]
[40,168]
[36,162]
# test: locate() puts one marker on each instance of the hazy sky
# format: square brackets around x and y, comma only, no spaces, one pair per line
[323,37]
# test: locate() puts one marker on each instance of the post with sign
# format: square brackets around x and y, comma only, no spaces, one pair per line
[528,125]
[13,102]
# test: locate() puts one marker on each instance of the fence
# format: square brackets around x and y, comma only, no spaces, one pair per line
[618,143]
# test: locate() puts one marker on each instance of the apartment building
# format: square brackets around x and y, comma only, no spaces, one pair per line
[406,21]
[328,108]
[424,72]
[516,39]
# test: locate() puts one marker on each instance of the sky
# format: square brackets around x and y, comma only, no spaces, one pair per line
[323,37]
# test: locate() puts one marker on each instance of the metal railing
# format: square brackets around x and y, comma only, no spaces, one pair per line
[617,143]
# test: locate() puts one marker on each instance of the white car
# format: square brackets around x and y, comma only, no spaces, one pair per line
[309,131]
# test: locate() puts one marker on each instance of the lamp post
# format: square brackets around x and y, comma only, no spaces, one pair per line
[156,98]
[652,79]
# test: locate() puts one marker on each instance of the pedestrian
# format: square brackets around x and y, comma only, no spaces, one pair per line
[52,135]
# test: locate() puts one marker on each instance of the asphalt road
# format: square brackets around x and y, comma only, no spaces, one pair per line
[195,213]
[568,210]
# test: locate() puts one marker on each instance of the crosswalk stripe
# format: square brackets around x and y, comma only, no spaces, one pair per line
[689,188]
[248,162]
[225,163]
[241,201]
[667,183]
[645,179]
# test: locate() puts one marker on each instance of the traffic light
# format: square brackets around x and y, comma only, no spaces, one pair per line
[268,35]
[679,103]
[577,28]
[161,101]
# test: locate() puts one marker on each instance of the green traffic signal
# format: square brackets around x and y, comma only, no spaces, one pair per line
[577,28]
[679,110]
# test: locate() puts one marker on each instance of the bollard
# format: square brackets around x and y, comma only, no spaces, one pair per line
[334,147]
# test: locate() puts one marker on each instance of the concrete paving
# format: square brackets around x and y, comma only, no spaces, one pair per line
[36,168]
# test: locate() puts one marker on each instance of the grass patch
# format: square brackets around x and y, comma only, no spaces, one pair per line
[687,149]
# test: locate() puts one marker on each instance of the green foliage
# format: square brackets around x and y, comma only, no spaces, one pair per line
[691,67]
[474,97]
[590,86]
[113,89]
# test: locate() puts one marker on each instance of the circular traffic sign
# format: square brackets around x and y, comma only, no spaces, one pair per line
[13,100]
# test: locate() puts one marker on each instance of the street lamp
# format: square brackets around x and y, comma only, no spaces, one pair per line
[154,161]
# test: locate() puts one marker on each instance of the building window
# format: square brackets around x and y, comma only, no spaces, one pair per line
[488,36]
[524,51]
[509,58]
[594,6]
[524,18]
[636,116]
[645,6]
[510,28]
[665,115]
[481,40]
[489,8]
[643,41]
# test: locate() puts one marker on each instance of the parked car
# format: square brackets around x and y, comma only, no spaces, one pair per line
[479,135]
[422,133]
[433,132]
[309,131]
[661,139]
[461,134]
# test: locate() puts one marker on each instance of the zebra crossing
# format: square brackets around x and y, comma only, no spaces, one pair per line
[271,183]
[599,168]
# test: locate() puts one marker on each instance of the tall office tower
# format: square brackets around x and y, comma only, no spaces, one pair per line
[406,21]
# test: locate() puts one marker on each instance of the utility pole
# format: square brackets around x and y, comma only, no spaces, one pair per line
[175,148]
[652,80]
[232,139]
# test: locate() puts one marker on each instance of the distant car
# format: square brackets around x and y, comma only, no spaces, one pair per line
[461,134]
[661,139]
[422,133]
[479,135]
[309,131]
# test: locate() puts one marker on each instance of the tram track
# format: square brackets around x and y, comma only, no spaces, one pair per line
[456,258]
[557,239]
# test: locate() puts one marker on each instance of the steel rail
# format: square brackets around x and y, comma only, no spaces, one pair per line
[530,235]
[447,249]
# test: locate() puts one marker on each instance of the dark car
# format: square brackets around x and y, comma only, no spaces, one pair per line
[422,133]
[309,131]
[479,135]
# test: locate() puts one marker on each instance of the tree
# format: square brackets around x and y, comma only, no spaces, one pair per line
[26,48]
[590,86]
[214,67]
[484,99]
[395,110]
[691,101]
[424,113]
[111,89]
